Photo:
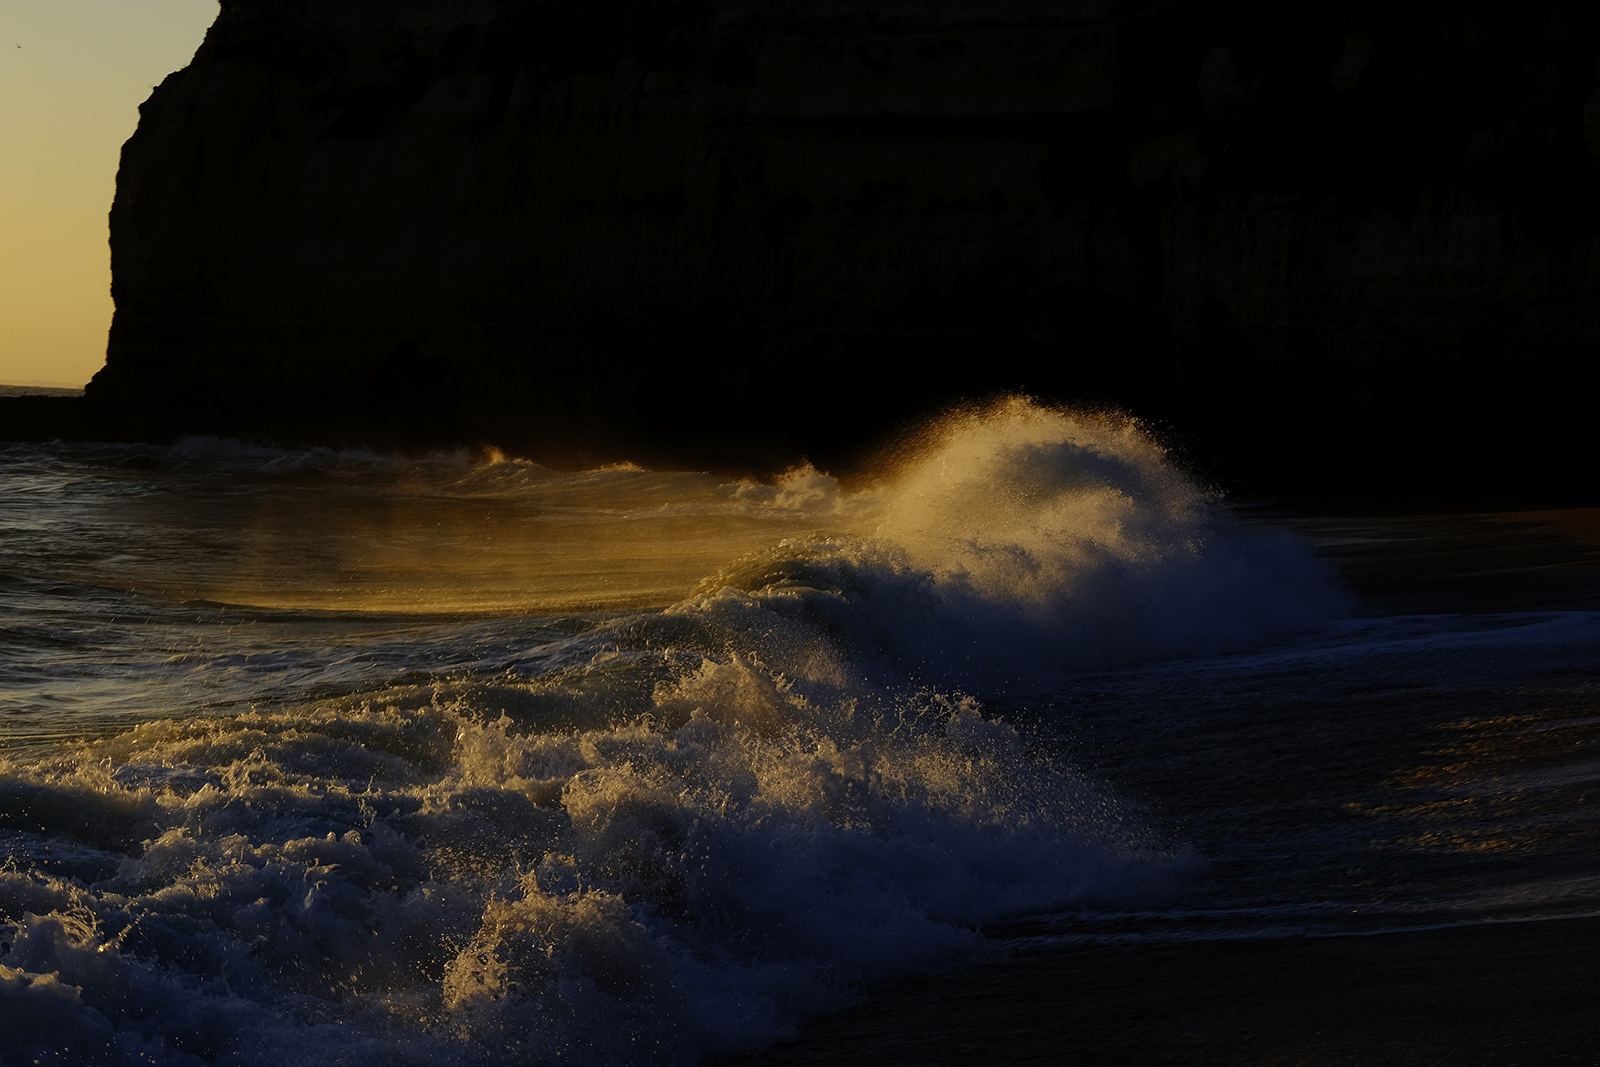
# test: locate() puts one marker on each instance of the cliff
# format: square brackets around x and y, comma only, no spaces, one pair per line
[1365,234]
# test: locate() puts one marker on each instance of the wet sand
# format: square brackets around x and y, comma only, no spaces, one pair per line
[1497,993]
[1515,993]
[1466,559]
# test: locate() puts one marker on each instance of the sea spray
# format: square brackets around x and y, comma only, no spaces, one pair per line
[1020,543]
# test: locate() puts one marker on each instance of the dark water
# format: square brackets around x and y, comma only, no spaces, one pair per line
[322,757]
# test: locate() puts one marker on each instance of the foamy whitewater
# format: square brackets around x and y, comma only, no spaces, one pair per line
[321,757]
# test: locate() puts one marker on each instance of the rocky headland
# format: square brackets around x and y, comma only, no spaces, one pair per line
[1344,243]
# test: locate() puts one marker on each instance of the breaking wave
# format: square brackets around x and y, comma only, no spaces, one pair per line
[661,834]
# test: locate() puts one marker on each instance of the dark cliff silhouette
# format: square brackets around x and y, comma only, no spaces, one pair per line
[1344,243]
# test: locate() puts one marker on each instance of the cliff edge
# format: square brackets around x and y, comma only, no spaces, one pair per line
[1323,237]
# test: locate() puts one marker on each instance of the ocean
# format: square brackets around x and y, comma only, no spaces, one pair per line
[315,756]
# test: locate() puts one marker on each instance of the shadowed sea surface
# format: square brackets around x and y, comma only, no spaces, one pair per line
[315,756]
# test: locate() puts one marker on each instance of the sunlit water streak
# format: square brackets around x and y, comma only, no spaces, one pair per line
[317,755]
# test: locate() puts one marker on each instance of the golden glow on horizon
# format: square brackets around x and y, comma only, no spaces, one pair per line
[72,75]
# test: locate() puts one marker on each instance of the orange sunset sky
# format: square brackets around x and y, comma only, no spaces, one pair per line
[72,76]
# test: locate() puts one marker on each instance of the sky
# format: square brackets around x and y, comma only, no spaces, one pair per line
[72,76]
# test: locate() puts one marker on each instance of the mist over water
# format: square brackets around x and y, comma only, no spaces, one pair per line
[322,755]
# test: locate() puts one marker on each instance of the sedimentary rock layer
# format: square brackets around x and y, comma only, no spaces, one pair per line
[717,225]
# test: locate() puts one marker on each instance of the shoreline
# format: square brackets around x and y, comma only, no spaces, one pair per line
[1335,766]
[1492,994]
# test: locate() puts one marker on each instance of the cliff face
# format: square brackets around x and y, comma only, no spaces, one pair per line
[709,224]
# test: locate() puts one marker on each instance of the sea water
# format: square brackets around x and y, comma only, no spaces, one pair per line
[317,756]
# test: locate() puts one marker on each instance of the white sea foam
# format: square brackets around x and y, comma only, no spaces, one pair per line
[441,867]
